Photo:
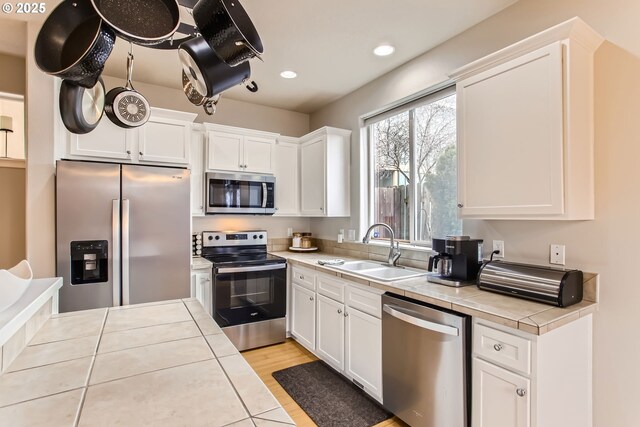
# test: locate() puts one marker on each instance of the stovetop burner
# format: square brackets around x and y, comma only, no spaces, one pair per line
[236,249]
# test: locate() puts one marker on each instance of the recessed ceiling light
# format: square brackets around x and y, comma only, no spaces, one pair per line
[384,50]
[289,74]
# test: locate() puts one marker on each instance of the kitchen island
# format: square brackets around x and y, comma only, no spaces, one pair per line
[158,364]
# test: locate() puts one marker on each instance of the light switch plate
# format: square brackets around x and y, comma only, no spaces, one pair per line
[556,254]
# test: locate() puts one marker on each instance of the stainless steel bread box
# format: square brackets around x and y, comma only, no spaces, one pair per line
[555,286]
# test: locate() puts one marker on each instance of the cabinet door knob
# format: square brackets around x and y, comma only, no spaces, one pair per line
[521,392]
[310,298]
[339,311]
[497,347]
[460,205]
[129,152]
[141,153]
[346,314]
[301,277]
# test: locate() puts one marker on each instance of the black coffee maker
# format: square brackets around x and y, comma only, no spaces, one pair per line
[457,261]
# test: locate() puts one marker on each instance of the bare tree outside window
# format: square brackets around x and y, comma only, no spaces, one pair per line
[420,145]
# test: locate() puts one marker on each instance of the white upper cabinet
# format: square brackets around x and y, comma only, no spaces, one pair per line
[106,141]
[325,173]
[525,128]
[164,139]
[239,150]
[284,160]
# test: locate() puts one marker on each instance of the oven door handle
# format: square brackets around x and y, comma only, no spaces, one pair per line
[264,194]
[249,269]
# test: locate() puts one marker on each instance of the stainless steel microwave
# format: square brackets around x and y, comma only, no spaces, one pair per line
[239,193]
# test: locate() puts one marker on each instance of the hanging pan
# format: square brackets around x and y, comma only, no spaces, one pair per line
[74,43]
[208,74]
[228,30]
[81,108]
[143,22]
[125,106]
[209,104]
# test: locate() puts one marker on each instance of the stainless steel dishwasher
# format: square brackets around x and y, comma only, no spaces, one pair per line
[425,363]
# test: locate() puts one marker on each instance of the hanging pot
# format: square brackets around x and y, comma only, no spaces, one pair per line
[125,106]
[81,108]
[209,104]
[228,30]
[74,43]
[207,73]
[143,22]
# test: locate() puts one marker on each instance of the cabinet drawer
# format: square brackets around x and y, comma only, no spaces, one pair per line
[330,287]
[502,348]
[304,277]
[366,301]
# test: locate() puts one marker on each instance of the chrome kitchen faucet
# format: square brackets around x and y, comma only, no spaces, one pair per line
[394,251]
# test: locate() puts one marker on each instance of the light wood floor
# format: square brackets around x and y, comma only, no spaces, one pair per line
[267,360]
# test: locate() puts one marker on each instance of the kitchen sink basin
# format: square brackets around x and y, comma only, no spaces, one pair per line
[359,265]
[378,271]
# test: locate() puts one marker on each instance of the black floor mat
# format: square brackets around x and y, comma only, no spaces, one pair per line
[328,398]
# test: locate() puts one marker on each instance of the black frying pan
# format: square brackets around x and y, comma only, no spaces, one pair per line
[125,106]
[81,108]
[143,22]
[74,43]
[227,28]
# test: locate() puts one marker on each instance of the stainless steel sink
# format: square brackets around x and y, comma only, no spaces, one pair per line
[378,271]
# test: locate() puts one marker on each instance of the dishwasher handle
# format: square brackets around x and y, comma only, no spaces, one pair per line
[399,313]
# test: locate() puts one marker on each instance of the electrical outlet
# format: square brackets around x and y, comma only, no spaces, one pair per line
[498,245]
[556,254]
[289,232]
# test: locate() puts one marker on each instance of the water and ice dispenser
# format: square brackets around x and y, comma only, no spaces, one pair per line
[89,262]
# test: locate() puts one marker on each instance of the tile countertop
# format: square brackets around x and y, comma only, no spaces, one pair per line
[158,364]
[199,263]
[529,316]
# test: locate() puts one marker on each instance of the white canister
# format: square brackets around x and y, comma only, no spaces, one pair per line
[296,242]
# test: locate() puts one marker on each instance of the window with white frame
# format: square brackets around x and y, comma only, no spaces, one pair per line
[412,169]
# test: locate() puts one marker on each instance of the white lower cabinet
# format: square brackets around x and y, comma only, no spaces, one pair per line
[345,337]
[526,380]
[502,397]
[303,316]
[363,351]
[201,288]
[331,332]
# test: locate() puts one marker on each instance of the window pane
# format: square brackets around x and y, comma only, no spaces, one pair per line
[391,175]
[435,157]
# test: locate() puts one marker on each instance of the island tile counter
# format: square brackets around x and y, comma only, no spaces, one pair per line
[157,364]
[529,316]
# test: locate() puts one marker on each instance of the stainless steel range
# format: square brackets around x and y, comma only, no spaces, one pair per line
[249,287]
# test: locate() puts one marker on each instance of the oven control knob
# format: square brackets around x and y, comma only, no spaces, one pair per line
[255,236]
[210,237]
[217,237]
[261,236]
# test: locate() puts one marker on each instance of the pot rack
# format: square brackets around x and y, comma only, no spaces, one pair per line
[188,31]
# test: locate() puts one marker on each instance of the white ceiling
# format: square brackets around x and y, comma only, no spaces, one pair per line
[328,43]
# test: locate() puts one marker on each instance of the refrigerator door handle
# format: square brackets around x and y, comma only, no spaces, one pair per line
[115,250]
[264,194]
[125,252]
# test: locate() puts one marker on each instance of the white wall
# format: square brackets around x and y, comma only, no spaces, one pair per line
[608,244]
[229,111]
[276,227]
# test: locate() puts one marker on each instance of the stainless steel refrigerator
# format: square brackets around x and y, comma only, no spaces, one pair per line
[122,234]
